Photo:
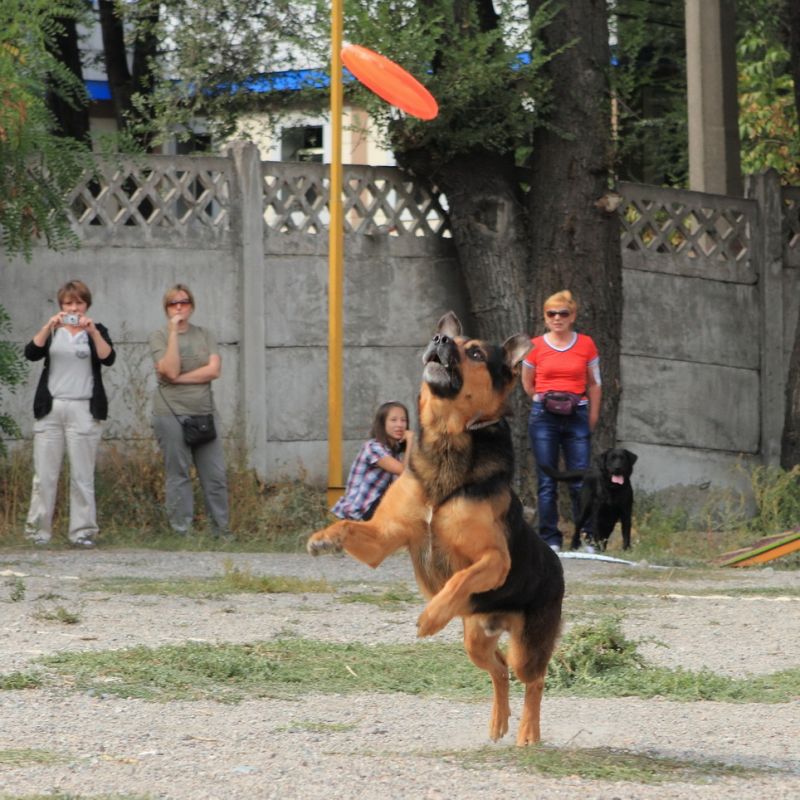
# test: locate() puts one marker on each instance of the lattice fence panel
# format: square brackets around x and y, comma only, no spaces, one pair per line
[176,193]
[791,225]
[374,201]
[701,231]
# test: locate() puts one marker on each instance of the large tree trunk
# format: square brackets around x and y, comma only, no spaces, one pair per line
[790,441]
[575,241]
[73,120]
[123,83]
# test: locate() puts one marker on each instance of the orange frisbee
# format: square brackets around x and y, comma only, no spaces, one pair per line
[390,81]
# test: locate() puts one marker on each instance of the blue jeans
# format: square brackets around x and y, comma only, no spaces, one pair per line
[550,433]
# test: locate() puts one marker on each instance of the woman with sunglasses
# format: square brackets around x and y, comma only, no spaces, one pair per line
[187,360]
[562,376]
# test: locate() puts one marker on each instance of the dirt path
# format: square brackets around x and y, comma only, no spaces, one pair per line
[377,746]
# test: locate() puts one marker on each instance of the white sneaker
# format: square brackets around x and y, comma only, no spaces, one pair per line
[84,543]
[39,539]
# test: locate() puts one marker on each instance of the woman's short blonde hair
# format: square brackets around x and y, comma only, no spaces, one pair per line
[173,290]
[562,299]
[74,290]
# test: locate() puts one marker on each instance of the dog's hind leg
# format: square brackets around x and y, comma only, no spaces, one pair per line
[532,644]
[480,642]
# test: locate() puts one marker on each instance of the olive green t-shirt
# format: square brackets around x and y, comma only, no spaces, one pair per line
[196,345]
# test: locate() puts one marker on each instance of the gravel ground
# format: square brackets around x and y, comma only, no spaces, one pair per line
[369,745]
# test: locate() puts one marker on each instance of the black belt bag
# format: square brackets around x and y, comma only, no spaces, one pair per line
[563,403]
[197,429]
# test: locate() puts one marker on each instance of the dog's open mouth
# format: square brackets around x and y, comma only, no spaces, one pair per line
[440,372]
[620,479]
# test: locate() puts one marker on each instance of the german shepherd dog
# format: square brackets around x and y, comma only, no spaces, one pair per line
[606,496]
[453,507]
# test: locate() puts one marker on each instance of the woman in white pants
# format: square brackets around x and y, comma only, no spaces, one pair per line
[69,406]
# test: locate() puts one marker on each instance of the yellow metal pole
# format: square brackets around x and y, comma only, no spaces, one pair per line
[335,267]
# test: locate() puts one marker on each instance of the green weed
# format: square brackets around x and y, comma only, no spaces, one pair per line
[57,614]
[16,589]
[395,597]
[19,680]
[777,495]
[601,764]
[21,757]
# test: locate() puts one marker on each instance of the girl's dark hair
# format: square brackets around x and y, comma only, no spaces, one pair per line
[379,426]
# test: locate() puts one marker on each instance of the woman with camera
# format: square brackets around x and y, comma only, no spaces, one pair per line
[562,376]
[69,406]
[187,360]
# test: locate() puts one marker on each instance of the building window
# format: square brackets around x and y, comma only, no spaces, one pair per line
[302,143]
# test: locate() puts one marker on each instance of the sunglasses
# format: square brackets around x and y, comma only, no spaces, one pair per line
[563,313]
[179,303]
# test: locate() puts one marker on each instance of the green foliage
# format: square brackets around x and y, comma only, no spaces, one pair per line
[648,80]
[13,370]
[777,495]
[216,53]
[485,74]
[768,123]
[37,167]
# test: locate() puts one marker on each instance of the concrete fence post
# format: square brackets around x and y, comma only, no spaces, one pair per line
[248,223]
[765,189]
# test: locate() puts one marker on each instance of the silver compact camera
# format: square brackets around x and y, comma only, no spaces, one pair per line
[71,319]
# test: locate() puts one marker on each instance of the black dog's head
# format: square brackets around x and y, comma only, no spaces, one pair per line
[472,378]
[618,463]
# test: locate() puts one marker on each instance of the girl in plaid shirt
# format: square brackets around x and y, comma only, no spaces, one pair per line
[378,463]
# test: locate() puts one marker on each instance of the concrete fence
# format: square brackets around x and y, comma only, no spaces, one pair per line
[710,303]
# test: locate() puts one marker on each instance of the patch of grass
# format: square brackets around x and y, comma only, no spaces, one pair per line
[16,589]
[281,668]
[69,796]
[318,727]
[597,660]
[21,757]
[593,661]
[602,764]
[57,614]
[777,495]
[19,680]
[233,581]
[577,589]
[395,597]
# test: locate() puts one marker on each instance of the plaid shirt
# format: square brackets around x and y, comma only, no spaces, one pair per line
[366,481]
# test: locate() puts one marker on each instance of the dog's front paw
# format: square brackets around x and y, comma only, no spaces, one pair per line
[324,542]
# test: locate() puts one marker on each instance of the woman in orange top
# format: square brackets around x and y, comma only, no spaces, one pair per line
[562,376]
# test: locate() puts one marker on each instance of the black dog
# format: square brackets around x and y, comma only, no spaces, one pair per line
[606,496]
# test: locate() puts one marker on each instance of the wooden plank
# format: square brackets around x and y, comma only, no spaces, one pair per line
[766,549]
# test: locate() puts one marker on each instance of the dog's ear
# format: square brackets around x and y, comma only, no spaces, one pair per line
[632,457]
[516,348]
[449,325]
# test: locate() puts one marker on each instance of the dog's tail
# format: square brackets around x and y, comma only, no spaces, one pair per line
[569,475]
